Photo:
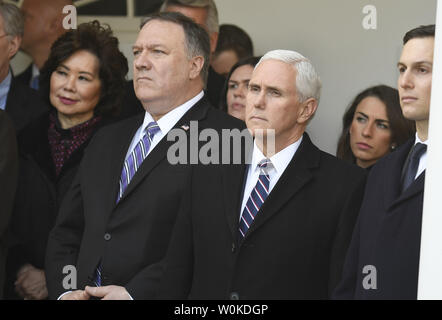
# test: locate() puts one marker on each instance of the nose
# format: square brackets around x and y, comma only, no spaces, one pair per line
[259,100]
[367,130]
[142,61]
[405,80]
[70,83]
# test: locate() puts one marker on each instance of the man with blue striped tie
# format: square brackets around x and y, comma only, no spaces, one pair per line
[279,227]
[116,221]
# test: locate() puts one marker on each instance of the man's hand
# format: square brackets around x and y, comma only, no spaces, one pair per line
[109,292]
[31,283]
[76,295]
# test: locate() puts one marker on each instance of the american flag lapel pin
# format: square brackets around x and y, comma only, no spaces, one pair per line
[185,127]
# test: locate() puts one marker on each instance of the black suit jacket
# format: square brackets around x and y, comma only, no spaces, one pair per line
[294,249]
[8,182]
[23,104]
[25,77]
[387,234]
[132,235]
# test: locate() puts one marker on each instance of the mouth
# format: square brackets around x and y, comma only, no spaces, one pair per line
[144,78]
[237,106]
[67,101]
[363,146]
[257,118]
[408,99]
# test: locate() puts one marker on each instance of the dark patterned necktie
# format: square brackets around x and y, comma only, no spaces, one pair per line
[256,198]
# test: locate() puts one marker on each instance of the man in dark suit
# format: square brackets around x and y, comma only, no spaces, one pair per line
[43,25]
[20,102]
[205,13]
[116,219]
[8,182]
[383,259]
[275,229]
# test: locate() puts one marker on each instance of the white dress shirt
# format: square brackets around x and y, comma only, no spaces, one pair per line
[423,159]
[280,161]
[166,123]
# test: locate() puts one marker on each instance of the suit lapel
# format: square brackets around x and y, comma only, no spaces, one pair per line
[196,113]
[296,175]
[392,185]
[121,148]
[233,189]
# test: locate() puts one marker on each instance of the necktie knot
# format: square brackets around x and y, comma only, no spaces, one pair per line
[264,165]
[152,128]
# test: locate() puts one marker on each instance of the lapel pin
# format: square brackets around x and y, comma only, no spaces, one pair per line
[185,127]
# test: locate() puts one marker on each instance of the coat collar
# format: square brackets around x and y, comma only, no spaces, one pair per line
[392,181]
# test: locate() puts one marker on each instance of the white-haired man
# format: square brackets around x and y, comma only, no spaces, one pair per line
[278,228]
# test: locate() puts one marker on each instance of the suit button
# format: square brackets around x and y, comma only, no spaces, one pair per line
[233,248]
[107,237]
[234,296]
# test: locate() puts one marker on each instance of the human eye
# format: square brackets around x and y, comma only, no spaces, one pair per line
[401,69]
[361,119]
[254,88]
[83,78]
[275,93]
[382,125]
[232,85]
[61,72]
[136,52]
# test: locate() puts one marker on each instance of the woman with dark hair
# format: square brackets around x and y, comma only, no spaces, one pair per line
[83,82]
[233,96]
[373,126]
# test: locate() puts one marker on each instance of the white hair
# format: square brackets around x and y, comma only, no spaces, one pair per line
[308,82]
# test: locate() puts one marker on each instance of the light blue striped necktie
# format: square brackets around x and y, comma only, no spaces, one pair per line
[136,157]
[256,198]
[131,165]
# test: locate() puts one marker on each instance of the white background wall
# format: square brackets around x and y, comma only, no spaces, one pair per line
[330,33]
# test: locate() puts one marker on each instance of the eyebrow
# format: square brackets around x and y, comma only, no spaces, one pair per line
[378,120]
[150,46]
[82,72]
[415,63]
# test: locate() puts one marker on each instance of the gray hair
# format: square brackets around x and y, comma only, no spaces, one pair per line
[212,21]
[308,82]
[197,39]
[12,19]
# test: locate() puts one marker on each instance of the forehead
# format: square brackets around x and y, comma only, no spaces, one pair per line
[372,106]
[418,50]
[84,60]
[275,73]
[161,33]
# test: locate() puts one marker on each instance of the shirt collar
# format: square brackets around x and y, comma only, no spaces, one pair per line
[35,71]
[418,140]
[279,160]
[167,122]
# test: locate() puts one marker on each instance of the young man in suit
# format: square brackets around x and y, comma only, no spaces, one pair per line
[278,228]
[117,218]
[8,182]
[383,259]
[20,102]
